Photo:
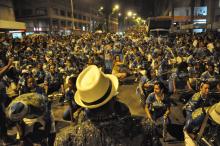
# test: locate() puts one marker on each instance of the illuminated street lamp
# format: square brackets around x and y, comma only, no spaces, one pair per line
[108,11]
[119,14]
[116,7]
[129,13]
[101,8]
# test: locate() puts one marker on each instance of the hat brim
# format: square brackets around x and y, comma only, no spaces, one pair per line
[115,85]
[215,117]
[19,116]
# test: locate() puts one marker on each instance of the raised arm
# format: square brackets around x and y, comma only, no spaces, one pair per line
[5,68]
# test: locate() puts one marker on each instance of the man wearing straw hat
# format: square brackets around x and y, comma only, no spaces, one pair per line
[104,121]
[203,128]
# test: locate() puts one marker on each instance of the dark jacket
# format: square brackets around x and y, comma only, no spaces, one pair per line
[110,130]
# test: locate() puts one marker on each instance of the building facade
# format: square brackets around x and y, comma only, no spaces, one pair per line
[206,13]
[7,18]
[60,15]
[214,14]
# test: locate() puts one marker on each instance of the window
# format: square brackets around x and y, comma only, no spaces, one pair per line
[217,18]
[200,11]
[84,17]
[75,15]
[69,23]
[79,25]
[41,11]
[79,16]
[202,3]
[55,22]
[76,25]
[62,13]
[26,12]
[187,12]
[55,11]
[69,14]
[63,23]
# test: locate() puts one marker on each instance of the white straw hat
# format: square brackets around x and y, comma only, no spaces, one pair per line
[214,112]
[94,88]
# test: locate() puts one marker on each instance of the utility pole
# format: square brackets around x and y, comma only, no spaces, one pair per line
[192,12]
[72,14]
[107,13]
[172,11]
[172,16]
[49,14]
[211,14]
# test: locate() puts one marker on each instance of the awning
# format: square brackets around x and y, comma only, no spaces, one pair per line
[12,25]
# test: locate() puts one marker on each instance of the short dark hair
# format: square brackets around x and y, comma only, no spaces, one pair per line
[211,64]
[73,79]
[203,83]
[162,86]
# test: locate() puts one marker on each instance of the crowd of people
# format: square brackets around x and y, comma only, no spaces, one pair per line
[35,67]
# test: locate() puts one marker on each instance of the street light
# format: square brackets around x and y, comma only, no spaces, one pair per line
[108,12]
[129,13]
[101,8]
[116,7]
[119,14]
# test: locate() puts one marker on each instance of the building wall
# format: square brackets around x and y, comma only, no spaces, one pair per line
[183,11]
[214,14]
[6,10]
[216,3]
[55,15]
